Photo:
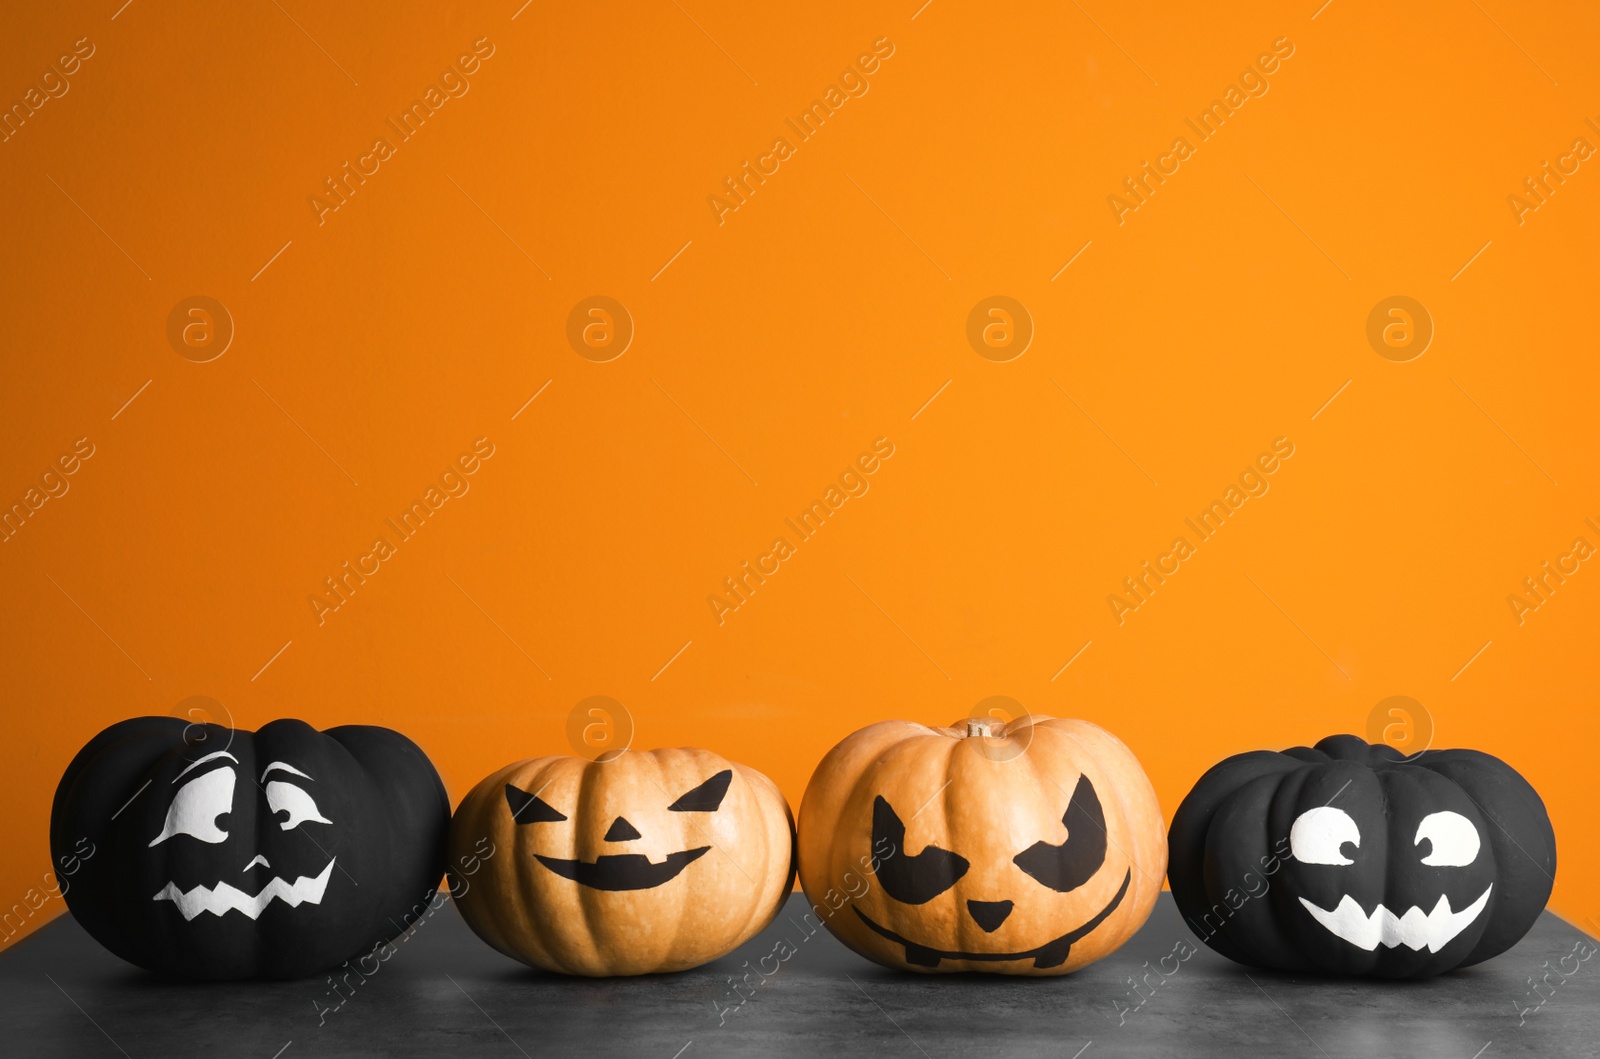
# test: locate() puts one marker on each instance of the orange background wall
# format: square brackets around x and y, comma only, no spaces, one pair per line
[821,315]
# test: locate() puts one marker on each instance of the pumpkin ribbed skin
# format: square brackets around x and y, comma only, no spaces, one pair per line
[532,912]
[1321,859]
[985,793]
[294,849]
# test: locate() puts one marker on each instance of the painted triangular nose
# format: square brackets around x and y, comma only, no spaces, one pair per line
[989,914]
[622,831]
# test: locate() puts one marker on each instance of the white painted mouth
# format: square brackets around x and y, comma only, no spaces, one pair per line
[224,897]
[1415,929]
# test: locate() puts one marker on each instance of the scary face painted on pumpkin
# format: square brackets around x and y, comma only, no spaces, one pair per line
[1028,848]
[1351,858]
[621,871]
[647,861]
[206,790]
[234,854]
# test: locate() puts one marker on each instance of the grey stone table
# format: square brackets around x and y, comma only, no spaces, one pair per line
[444,993]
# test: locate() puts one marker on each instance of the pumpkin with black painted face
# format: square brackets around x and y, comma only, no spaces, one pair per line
[633,863]
[1349,858]
[225,854]
[1029,848]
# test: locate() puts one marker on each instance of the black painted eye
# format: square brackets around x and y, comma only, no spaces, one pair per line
[530,808]
[1074,862]
[911,880]
[706,797]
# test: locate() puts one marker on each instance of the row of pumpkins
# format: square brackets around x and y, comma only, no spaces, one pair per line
[1031,847]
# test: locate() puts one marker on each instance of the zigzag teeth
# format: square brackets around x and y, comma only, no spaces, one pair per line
[1415,929]
[226,897]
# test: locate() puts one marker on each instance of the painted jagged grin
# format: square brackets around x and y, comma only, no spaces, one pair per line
[1050,954]
[207,796]
[225,897]
[1326,834]
[1415,929]
[622,871]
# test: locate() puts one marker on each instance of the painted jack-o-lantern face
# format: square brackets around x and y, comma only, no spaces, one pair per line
[1350,858]
[957,850]
[648,861]
[232,854]
[206,791]
[1322,835]
[1062,867]
[621,871]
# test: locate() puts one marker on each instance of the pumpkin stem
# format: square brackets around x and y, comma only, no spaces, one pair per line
[976,728]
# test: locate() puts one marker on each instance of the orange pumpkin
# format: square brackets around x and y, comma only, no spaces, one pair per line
[1031,847]
[648,861]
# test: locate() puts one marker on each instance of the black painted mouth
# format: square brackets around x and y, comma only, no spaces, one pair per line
[623,871]
[1050,954]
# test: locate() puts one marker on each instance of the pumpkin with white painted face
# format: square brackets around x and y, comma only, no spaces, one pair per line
[225,854]
[1350,858]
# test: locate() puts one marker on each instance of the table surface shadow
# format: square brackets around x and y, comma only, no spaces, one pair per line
[443,992]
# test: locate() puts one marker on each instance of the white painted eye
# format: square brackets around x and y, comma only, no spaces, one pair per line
[1318,834]
[286,797]
[197,805]
[1455,840]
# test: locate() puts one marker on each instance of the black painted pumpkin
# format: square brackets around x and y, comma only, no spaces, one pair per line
[224,854]
[1350,858]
